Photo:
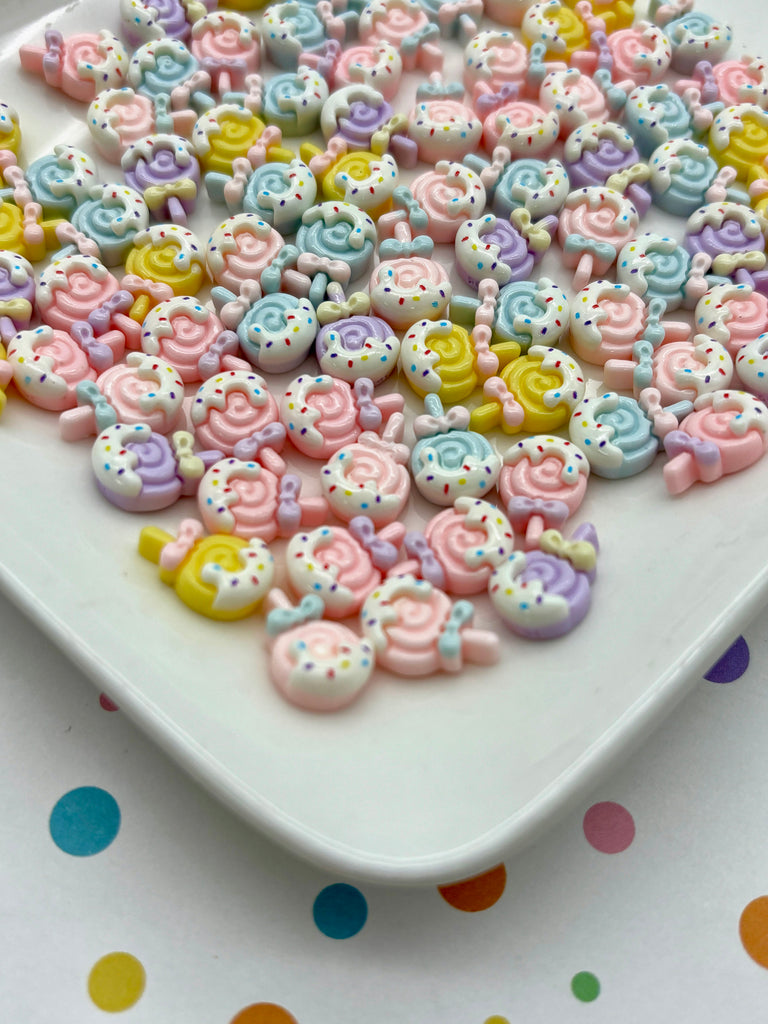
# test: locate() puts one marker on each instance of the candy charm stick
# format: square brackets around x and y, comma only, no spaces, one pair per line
[544,593]
[245,498]
[621,436]
[164,170]
[726,433]
[227,46]
[370,476]
[593,224]
[449,460]
[542,483]
[81,65]
[322,414]
[534,393]
[467,542]
[143,389]
[315,664]
[222,577]
[342,565]
[415,629]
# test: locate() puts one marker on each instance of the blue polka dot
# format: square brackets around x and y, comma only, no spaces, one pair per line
[732,664]
[85,821]
[340,911]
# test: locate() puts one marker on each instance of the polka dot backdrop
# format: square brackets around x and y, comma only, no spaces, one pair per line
[129,891]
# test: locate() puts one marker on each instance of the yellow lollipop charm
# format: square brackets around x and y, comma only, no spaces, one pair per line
[535,393]
[22,228]
[220,576]
[168,254]
[223,134]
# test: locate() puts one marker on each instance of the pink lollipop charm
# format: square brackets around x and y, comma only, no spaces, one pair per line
[227,46]
[240,249]
[315,664]
[542,483]
[370,476]
[416,630]
[322,414]
[235,406]
[117,119]
[141,471]
[140,390]
[449,195]
[244,498]
[494,59]
[594,223]
[641,55]
[405,25]
[72,287]
[460,547]
[81,65]
[47,364]
[189,336]
[683,370]
[342,565]
[523,127]
[732,314]
[378,66]
[443,129]
[726,432]
[545,593]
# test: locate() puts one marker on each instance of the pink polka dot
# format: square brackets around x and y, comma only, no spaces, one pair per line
[609,827]
[107,704]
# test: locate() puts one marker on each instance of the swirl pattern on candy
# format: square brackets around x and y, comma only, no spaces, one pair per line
[436,356]
[142,471]
[534,393]
[117,119]
[188,335]
[697,36]
[655,267]
[81,65]
[322,414]
[449,460]
[17,293]
[416,630]
[490,247]
[738,138]
[655,115]
[152,20]
[593,224]
[621,436]
[163,168]
[338,231]
[378,66]
[111,217]
[466,541]
[682,172]
[47,364]
[143,389]
[315,664]
[732,314]
[240,249]
[545,593]
[449,194]
[342,565]
[726,433]
[294,101]
[444,129]
[531,313]
[370,476]
[359,346]
[495,59]
[223,134]
[222,577]
[59,180]
[730,234]
[542,483]
[522,127]
[226,44]
[232,407]
[169,254]
[245,498]
[291,29]
[279,193]
[540,187]
[355,112]
[683,370]
[277,332]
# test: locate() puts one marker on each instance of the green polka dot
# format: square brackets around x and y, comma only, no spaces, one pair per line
[585,986]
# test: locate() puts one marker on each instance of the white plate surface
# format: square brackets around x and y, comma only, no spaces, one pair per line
[420,781]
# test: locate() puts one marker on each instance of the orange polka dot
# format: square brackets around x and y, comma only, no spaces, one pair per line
[478,893]
[263,1013]
[753,929]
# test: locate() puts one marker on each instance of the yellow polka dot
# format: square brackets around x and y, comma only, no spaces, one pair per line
[116,982]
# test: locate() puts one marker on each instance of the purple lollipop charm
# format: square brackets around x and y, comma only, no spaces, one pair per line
[499,250]
[164,169]
[544,593]
[360,346]
[732,237]
[17,293]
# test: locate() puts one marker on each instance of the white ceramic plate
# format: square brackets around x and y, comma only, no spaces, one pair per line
[420,781]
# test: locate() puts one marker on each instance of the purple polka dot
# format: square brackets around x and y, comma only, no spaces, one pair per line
[732,664]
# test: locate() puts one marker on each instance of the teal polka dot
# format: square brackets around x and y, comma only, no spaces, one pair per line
[85,821]
[340,911]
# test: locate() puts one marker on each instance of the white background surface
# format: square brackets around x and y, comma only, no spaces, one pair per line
[221,918]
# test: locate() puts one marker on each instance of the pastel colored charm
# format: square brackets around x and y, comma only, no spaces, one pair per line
[315,664]
[80,65]
[416,630]
[225,578]
[171,255]
[342,565]
[17,293]
[546,592]
[240,249]
[542,483]
[370,476]
[449,460]
[726,432]
[235,407]
[358,346]
[243,497]
[189,336]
